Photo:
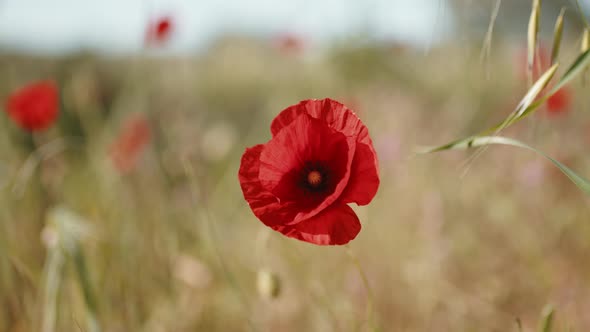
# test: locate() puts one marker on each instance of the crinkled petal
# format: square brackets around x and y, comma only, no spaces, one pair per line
[364,177]
[331,112]
[264,204]
[306,139]
[336,225]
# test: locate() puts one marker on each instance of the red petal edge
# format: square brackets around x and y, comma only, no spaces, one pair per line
[333,113]
[364,177]
[336,225]
[264,205]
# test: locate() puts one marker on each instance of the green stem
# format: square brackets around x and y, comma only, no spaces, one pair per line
[370,311]
[54,269]
[85,284]
[205,215]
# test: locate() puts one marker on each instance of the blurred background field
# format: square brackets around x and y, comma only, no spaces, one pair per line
[168,243]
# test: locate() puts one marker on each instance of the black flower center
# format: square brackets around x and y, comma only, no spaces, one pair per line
[314,177]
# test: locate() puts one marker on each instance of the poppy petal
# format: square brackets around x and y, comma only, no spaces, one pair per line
[336,225]
[335,114]
[560,101]
[263,203]
[364,177]
[131,143]
[284,156]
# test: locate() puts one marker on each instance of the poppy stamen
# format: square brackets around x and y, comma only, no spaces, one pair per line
[314,179]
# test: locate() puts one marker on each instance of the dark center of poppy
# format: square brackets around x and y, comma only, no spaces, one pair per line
[314,177]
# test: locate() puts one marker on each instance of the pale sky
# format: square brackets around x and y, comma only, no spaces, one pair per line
[54,26]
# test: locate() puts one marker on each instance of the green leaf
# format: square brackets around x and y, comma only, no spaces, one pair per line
[578,180]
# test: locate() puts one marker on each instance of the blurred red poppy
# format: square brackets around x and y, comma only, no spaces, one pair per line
[560,102]
[131,143]
[319,159]
[35,106]
[160,30]
[289,44]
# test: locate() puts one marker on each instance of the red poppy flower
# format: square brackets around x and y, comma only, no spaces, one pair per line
[320,158]
[34,106]
[559,102]
[131,143]
[159,31]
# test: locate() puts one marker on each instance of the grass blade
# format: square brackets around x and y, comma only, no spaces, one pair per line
[547,322]
[557,34]
[71,230]
[528,104]
[529,98]
[87,291]
[578,180]
[519,325]
[533,31]
[53,277]
[520,110]
[574,70]
[585,45]
[487,44]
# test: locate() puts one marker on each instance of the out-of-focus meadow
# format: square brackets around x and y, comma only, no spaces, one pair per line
[165,241]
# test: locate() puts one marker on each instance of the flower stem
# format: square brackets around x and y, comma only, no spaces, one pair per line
[370,310]
[53,274]
[205,215]
[87,291]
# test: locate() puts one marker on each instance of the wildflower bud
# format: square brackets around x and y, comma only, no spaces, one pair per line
[49,237]
[268,284]
[192,272]
[218,141]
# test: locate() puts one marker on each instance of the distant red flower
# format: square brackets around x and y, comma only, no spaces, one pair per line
[160,30]
[131,143]
[560,102]
[320,158]
[289,44]
[35,106]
